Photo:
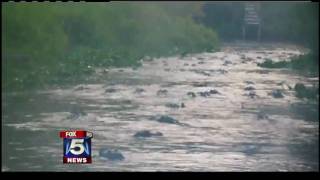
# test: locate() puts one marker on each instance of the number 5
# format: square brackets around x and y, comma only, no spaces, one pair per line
[77,143]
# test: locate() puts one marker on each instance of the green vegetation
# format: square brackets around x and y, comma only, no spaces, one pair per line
[306,64]
[281,21]
[55,42]
[304,92]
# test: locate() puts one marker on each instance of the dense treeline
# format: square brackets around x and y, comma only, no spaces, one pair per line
[51,42]
[295,22]
[281,21]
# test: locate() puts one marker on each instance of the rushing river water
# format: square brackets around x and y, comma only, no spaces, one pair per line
[231,130]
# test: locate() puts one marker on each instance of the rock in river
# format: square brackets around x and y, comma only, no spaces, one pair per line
[167,119]
[76,113]
[139,90]
[204,94]
[110,90]
[213,91]
[162,92]
[277,93]
[174,105]
[249,88]
[191,94]
[113,155]
[146,133]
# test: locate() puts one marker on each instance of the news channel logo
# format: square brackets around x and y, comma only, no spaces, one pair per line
[76,146]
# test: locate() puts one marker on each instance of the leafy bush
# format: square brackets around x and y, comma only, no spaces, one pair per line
[45,41]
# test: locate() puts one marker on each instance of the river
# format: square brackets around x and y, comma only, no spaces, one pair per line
[226,131]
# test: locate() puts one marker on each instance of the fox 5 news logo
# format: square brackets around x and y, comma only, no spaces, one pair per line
[76,147]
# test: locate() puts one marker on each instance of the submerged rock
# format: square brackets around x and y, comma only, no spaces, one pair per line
[76,113]
[174,105]
[167,119]
[80,88]
[299,87]
[200,84]
[249,88]
[162,92]
[110,90]
[146,133]
[208,93]
[204,94]
[227,63]
[213,91]
[139,90]
[262,115]
[251,94]
[113,155]
[191,94]
[277,93]
[222,71]
[249,82]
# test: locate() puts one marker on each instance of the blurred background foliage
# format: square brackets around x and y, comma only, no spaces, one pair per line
[44,41]
[55,42]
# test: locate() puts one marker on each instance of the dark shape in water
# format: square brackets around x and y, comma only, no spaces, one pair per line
[172,105]
[110,90]
[227,62]
[249,88]
[76,113]
[204,94]
[191,94]
[299,87]
[193,64]
[80,88]
[162,92]
[186,64]
[249,82]
[251,149]
[252,94]
[139,90]
[277,93]
[213,91]
[200,84]
[168,119]
[182,105]
[262,115]
[222,71]
[146,133]
[303,92]
[112,155]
